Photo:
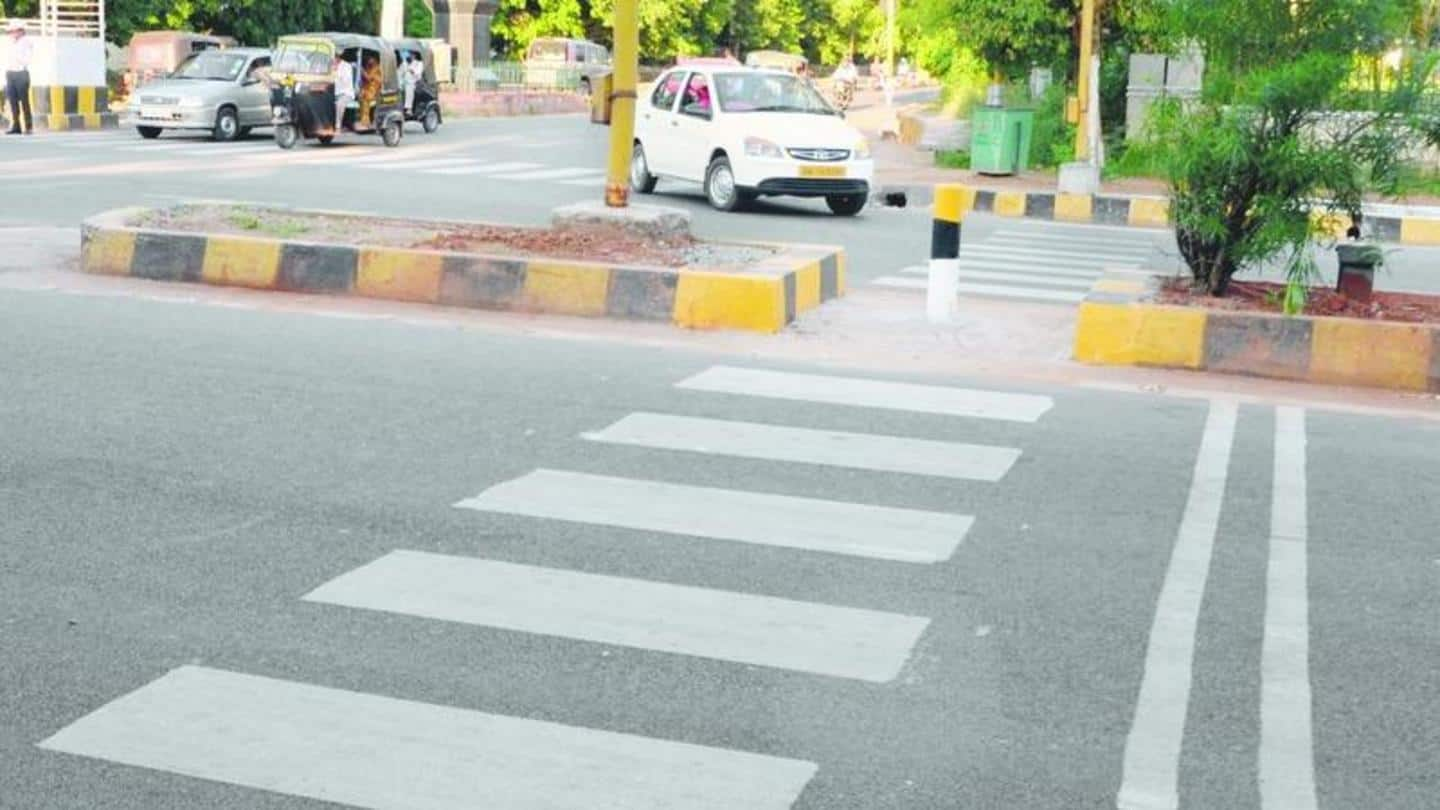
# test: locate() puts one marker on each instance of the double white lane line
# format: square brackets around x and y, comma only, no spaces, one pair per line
[1150,778]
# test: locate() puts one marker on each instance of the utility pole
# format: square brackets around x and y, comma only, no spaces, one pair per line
[890,37]
[1087,50]
[622,101]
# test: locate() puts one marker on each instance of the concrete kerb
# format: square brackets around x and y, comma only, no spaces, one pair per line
[764,297]
[1119,324]
[1148,211]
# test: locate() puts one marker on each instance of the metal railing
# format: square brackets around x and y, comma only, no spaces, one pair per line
[518,76]
[84,19]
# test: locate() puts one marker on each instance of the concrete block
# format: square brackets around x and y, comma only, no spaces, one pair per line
[651,221]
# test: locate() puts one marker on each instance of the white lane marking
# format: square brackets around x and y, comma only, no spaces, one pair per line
[1152,750]
[1056,228]
[880,532]
[761,630]
[588,182]
[549,174]
[1040,276]
[1287,757]
[863,451]
[986,290]
[482,168]
[1042,239]
[430,163]
[1072,256]
[970,265]
[859,392]
[384,753]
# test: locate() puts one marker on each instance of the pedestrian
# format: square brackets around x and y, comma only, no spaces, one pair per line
[344,91]
[17,78]
[369,93]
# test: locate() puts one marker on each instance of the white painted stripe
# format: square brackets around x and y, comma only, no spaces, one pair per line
[886,533]
[588,182]
[549,174]
[745,628]
[1029,293]
[865,393]
[1026,278]
[1075,255]
[482,168]
[1152,750]
[383,753]
[1011,226]
[429,163]
[1021,273]
[1060,239]
[1287,757]
[861,451]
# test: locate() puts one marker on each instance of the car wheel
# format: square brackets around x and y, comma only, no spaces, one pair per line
[641,180]
[845,205]
[431,121]
[720,187]
[390,133]
[149,133]
[286,136]
[227,125]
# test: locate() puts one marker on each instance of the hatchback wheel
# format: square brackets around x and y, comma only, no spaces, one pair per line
[227,126]
[720,187]
[845,205]
[641,180]
[149,133]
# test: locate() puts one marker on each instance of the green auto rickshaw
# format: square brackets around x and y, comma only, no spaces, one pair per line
[303,78]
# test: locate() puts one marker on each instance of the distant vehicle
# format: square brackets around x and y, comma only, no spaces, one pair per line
[777,60]
[707,61]
[302,89]
[156,54]
[747,133]
[220,91]
[556,62]
[426,106]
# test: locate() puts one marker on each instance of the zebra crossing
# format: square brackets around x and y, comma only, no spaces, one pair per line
[1038,262]
[381,751]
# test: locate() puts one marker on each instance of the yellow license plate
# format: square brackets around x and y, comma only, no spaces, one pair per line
[822,171]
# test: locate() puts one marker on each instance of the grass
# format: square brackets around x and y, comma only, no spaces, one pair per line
[284,229]
[952,159]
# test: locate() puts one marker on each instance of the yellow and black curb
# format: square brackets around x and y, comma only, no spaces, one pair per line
[1119,324]
[763,297]
[58,108]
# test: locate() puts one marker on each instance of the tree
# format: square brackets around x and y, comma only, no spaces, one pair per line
[1247,162]
[1010,35]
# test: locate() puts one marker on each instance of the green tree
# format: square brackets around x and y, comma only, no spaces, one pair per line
[419,20]
[1247,161]
[671,28]
[517,23]
[1010,35]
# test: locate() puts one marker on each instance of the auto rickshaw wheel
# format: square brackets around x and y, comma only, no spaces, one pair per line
[390,133]
[325,139]
[431,121]
[286,136]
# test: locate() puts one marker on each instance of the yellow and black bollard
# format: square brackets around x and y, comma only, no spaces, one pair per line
[952,203]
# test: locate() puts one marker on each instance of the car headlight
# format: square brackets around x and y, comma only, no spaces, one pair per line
[192,101]
[761,148]
[862,150]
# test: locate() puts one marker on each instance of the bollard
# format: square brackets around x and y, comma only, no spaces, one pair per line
[951,204]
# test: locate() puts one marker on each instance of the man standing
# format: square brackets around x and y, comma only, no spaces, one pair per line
[344,78]
[17,78]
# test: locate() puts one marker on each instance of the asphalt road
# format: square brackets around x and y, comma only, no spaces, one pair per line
[178,480]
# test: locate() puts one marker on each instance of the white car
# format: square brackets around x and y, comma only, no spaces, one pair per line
[746,133]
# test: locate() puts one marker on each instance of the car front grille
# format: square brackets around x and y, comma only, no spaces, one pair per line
[820,155]
[812,187]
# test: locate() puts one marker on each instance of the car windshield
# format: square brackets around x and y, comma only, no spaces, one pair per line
[769,92]
[549,51]
[212,66]
[302,58]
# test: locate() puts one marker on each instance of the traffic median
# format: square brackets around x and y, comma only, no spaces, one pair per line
[576,269]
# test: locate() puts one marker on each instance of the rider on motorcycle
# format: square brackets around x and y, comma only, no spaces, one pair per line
[846,77]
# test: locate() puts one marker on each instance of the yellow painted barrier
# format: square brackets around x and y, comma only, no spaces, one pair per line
[1419,231]
[721,301]
[565,289]
[1074,207]
[1149,212]
[1121,334]
[807,287]
[241,262]
[399,275]
[1010,203]
[1356,352]
[109,253]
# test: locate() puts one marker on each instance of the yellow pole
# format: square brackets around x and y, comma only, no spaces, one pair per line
[622,110]
[890,37]
[1087,48]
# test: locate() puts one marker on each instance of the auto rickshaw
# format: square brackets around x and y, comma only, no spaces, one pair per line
[302,90]
[425,107]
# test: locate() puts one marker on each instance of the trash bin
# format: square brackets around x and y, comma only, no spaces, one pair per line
[1358,261]
[600,89]
[1000,140]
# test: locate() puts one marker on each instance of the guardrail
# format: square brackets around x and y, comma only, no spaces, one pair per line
[82,19]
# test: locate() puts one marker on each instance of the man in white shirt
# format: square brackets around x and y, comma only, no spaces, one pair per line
[17,78]
[344,77]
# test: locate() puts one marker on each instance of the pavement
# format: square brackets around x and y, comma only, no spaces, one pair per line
[277,551]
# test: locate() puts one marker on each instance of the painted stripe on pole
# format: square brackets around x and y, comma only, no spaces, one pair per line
[378,752]
[1152,750]
[492,168]
[761,630]
[886,533]
[863,451]
[865,393]
[1287,757]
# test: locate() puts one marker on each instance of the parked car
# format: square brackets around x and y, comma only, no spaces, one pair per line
[224,92]
[558,62]
[156,54]
[745,133]
[777,60]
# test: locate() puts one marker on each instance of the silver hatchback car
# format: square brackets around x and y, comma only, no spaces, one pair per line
[224,92]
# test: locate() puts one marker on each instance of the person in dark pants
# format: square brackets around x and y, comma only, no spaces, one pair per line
[17,78]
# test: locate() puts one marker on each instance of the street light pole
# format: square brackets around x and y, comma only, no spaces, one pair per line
[890,37]
[622,100]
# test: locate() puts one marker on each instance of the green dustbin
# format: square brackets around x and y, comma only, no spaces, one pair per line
[1000,140]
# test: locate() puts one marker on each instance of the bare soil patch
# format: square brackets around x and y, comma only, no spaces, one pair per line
[1264,296]
[601,245]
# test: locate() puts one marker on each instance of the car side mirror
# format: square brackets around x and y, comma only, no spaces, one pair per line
[250,81]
